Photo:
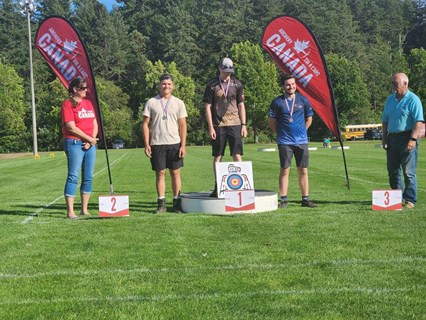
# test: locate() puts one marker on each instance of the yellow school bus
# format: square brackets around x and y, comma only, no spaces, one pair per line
[356,131]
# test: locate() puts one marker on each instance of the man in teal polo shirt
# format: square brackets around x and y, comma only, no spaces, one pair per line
[402,119]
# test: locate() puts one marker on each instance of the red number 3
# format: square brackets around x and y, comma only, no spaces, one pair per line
[387,201]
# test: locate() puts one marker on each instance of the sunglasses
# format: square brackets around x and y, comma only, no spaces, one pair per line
[226,67]
[82,88]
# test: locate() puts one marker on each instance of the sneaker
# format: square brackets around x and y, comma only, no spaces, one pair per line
[409,205]
[161,206]
[177,205]
[308,203]
[283,204]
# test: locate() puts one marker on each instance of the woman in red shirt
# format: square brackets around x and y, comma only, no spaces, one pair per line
[79,130]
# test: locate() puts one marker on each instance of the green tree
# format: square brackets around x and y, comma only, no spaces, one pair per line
[417,62]
[332,23]
[13,132]
[377,67]
[260,80]
[220,25]
[134,83]
[388,20]
[350,91]
[116,115]
[184,90]
[49,8]
[14,37]
[170,26]
[49,124]
[105,36]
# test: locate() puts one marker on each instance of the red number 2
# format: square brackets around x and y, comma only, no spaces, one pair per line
[113,201]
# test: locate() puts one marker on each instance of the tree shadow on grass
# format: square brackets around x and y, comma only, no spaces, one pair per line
[35,210]
[58,210]
[330,204]
[343,202]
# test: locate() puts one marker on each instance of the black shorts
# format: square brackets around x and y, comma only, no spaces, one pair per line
[231,134]
[301,154]
[166,156]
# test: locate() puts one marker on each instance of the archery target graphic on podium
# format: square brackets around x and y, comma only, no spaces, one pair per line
[233,176]
[235,183]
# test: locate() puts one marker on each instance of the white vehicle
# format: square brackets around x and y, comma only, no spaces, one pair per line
[118,144]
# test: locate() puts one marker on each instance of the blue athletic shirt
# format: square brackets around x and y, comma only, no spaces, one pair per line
[291,133]
[402,115]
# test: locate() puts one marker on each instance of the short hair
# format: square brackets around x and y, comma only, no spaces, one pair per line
[286,76]
[166,76]
[401,76]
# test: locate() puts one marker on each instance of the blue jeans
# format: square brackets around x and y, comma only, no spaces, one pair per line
[79,160]
[399,158]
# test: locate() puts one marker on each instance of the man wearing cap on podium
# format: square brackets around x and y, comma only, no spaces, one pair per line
[226,114]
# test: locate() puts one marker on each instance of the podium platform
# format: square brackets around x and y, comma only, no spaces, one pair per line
[201,202]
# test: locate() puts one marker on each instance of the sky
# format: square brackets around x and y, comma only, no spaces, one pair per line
[108,3]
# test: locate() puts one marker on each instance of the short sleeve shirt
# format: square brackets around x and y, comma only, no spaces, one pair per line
[224,108]
[165,119]
[291,128]
[401,115]
[82,114]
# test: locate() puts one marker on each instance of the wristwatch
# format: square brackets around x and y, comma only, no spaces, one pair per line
[413,139]
[243,124]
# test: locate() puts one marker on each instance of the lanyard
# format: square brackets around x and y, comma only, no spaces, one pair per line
[292,107]
[164,106]
[225,92]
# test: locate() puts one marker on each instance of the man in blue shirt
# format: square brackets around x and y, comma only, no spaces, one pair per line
[401,122]
[290,116]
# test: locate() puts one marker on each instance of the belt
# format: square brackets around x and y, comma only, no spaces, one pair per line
[401,133]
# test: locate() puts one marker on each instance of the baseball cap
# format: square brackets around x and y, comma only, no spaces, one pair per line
[226,65]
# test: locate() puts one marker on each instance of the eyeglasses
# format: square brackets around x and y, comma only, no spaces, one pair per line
[397,84]
[82,88]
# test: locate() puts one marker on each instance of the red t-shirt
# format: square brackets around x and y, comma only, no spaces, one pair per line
[83,115]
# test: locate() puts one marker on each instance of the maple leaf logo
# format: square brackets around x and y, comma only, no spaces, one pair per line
[69,46]
[301,46]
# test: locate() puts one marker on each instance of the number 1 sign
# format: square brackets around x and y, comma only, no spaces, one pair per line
[239,200]
[387,200]
[113,206]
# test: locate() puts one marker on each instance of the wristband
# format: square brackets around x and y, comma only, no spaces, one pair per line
[413,139]
[243,124]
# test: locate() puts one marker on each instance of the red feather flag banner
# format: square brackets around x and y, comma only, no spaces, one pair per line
[294,48]
[60,44]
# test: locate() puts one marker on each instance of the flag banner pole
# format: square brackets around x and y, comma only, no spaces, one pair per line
[294,48]
[63,49]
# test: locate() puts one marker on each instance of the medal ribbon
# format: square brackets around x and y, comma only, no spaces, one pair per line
[292,107]
[164,106]
[225,92]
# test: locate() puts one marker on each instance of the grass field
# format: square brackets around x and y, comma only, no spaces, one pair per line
[338,261]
